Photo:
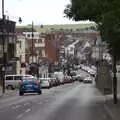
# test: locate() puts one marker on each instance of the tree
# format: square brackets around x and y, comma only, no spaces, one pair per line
[92,10]
[106,13]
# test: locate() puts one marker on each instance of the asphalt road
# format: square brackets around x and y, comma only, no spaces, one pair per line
[74,101]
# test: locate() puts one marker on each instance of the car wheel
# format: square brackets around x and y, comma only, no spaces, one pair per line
[21,93]
[40,92]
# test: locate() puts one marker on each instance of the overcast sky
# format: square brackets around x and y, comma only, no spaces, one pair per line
[39,11]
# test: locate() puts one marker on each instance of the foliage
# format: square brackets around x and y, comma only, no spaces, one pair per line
[106,13]
[58,27]
[90,9]
[25,29]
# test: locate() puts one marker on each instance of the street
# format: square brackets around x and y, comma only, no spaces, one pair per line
[76,101]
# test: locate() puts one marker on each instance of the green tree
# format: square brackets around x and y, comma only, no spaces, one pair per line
[106,13]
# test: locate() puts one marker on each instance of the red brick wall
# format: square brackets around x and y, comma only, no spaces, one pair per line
[50,49]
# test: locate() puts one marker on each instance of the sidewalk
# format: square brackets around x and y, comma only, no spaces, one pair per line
[8,93]
[112,109]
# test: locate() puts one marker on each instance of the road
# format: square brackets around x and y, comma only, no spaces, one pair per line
[76,101]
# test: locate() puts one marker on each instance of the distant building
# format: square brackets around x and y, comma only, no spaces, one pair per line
[34,47]
[52,45]
[20,53]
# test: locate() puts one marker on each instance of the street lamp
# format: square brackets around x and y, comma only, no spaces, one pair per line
[32,42]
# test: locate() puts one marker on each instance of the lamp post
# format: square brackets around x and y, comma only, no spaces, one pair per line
[32,42]
[3,49]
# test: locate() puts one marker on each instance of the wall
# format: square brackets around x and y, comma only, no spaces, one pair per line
[20,52]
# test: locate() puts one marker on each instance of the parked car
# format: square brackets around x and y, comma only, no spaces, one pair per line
[68,79]
[88,80]
[45,82]
[74,78]
[53,82]
[59,76]
[93,73]
[80,78]
[11,81]
[29,85]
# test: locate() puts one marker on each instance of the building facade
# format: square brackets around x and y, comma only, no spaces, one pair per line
[20,53]
[8,39]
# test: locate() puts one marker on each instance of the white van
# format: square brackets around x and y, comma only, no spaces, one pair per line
[59,76]
[12,80]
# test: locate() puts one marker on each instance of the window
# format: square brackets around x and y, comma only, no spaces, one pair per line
[20,44]
[28,35]
[40,41]
[17,77]
[43,53]
[9,77]
[37,41]
[20,57]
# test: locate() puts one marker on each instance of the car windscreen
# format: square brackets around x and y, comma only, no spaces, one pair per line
[29,81]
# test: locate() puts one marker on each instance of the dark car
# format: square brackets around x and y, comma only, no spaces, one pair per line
[74,78]
[54,82]
[80,78]
[68,79]
[29,85]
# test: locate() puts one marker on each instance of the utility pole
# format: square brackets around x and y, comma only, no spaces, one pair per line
[32,42]
[114,80]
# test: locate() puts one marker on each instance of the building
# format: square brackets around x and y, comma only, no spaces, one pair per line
[52,45]
[35,52]
[8,38]
[20,53]
[35,47]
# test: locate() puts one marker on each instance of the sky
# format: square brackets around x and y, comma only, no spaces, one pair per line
[39,11]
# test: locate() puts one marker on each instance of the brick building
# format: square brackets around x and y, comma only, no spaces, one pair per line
[52,45]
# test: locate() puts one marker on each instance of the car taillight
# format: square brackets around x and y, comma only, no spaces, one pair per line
[20,82]
[38,82]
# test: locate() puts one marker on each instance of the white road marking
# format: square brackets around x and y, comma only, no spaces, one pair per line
[15,107]
[28,110]
[19,116]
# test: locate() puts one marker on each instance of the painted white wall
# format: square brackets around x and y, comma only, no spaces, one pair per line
[28,35]
[20,51]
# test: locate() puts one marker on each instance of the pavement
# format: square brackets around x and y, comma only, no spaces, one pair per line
[111,108]
[8,93]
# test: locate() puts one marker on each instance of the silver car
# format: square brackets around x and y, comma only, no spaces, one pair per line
[88,80]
